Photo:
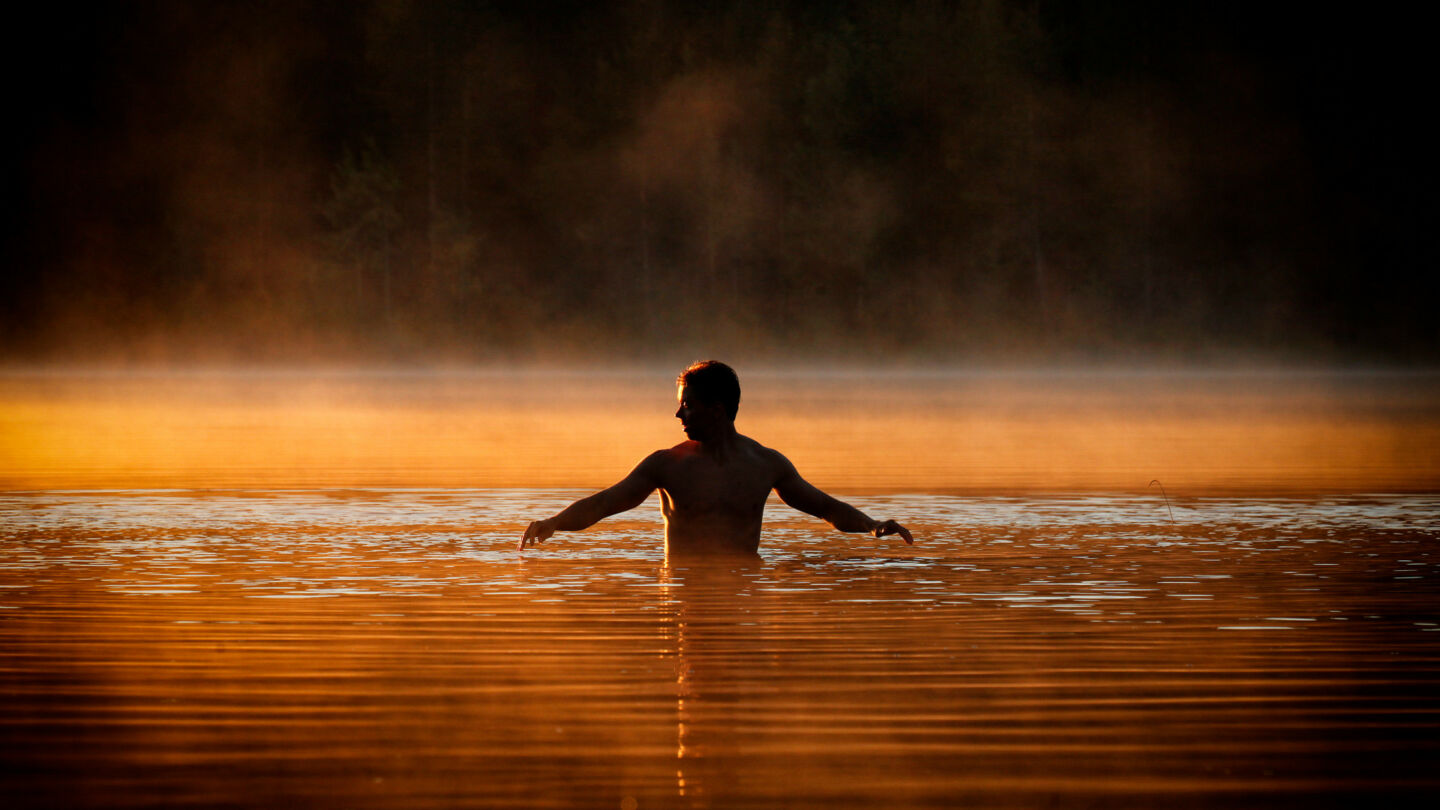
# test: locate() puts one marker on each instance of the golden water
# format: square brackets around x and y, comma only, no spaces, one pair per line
[364,634]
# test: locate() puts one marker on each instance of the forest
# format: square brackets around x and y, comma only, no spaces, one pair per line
[916,182]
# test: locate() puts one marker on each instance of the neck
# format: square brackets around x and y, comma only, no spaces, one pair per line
[721,443]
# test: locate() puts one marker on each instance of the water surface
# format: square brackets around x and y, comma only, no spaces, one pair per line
[390,648]
[301,590]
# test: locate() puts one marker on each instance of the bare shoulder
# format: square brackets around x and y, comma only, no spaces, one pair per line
[661,458]
[775,461]
[658,462]
[684,449]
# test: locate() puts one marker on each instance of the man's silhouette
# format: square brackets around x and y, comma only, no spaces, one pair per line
[712,487]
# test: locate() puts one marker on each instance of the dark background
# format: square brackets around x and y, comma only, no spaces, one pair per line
[985,182]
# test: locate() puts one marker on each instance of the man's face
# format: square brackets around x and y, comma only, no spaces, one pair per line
[698,418]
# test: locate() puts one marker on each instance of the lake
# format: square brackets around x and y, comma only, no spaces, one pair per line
[291,589]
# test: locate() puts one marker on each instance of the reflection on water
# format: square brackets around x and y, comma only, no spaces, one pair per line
[389,648]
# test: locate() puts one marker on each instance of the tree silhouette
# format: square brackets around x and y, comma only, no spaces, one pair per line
[363,219]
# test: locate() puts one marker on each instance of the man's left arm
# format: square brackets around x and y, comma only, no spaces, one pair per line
[804,496]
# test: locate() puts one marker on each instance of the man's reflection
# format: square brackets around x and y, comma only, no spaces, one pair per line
[709,599]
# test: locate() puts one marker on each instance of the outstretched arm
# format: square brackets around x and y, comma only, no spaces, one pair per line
[802,495]
[584,513]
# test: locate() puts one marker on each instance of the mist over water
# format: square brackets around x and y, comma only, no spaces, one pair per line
[1248,433]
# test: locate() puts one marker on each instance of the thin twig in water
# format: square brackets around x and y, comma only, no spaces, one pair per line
[1156,483]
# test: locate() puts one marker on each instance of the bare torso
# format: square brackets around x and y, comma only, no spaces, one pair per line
[713,490]
[715,501]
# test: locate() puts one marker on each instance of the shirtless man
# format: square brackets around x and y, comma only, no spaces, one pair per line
[712,487]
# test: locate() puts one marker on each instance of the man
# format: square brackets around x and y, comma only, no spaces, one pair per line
[713,487]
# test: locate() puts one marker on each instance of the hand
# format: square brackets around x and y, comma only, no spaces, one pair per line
[885,527]
[538,531]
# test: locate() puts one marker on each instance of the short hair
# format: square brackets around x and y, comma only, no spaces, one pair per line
[712,381]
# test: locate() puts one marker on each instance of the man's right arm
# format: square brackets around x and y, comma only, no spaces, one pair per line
[629,493]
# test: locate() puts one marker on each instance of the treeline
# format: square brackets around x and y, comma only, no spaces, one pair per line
[481,180]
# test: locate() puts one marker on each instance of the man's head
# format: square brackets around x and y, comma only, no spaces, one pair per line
[709,392]
[714,382]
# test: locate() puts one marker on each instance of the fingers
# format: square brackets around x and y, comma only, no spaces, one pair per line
[905,533]
[534,533]
[891,527]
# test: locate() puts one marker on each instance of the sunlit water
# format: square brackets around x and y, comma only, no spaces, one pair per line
[1268,636]
[390,648]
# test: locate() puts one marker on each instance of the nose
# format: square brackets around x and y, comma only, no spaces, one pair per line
[680,412]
